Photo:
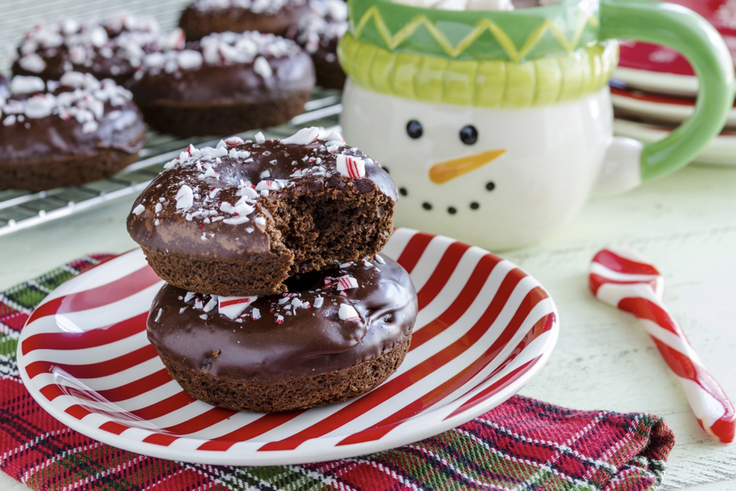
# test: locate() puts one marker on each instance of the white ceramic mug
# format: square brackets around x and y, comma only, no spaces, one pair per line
[499,148]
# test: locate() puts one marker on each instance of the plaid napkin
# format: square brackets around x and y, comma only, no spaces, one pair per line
[522,444]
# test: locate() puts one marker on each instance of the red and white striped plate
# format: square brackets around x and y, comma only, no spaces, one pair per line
[484,329]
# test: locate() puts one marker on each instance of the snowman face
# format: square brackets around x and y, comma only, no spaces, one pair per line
[492,177]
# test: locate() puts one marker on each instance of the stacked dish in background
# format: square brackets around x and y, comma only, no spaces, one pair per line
[654,88]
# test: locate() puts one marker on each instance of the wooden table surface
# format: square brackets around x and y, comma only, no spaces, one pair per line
[685,223]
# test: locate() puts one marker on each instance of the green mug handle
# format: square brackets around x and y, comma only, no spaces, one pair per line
[697,40]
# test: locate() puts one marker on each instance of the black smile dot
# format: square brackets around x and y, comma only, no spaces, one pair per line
[386,169]
[426,206]
[490,186]
[403,191]
[414,129]
[474,205]
[451,210]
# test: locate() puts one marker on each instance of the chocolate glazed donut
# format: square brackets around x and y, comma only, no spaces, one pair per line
[334,335]
[224,84]
[240,218]
[203,17]
[43,144]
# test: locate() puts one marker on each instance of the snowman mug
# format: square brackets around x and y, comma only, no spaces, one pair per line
[496,126]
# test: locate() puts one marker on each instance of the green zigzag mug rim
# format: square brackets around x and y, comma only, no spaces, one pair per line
[483,83]
[517,36]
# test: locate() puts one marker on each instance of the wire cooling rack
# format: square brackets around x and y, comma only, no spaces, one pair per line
[21,209]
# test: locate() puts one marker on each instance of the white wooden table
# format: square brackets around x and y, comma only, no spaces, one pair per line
[686,224]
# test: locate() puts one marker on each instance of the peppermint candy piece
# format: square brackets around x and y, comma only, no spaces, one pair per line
[349,166]
[305,136]
[262,68]
[627,281]
[26,85]
[184,198]
[346,282]
[348,313]
[268,185]
[234,306]
[335,137]
[233,141]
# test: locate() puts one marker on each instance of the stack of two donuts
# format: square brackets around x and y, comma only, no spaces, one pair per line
[278,297]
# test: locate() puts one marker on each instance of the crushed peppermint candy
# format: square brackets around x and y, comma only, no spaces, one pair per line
[262,68]
[26,85]
[348,313]
[218,49]
[77,97]
[304,136]
[350,166]
[121,41]
[139,209]
[326,22]
[255,6]
[184,198]
[346,282]
[233,182]
[232,307]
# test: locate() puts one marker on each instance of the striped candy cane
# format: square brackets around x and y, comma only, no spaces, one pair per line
[628,281]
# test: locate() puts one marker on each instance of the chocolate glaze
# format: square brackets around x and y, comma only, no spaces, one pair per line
[168,230]
[197,20]
[121,127]
[227,83]
[311,341]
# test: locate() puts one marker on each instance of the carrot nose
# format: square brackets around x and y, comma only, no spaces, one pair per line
[444,171]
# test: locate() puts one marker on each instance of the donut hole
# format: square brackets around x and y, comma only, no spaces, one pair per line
[331,224]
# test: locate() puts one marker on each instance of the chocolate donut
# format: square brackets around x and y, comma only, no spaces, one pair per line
[110,49]
[319,33]
[240,218]
[336,334]
[65,133]
[224,84]
[203,17]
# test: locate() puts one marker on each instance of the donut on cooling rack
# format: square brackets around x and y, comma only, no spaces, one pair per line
[318,33]
[240,218]
[203,17]
[113,48]
[334,335]
[66,132]
[224,84]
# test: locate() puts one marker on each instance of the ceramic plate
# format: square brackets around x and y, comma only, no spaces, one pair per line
[720,151]
[657,108]
[484,329]
[663,70]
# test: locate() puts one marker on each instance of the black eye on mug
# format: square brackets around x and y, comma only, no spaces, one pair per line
[469,135]
[414,129]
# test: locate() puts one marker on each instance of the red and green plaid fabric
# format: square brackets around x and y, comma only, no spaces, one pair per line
[523,444]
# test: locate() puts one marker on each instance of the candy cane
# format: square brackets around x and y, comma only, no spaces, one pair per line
[628,281]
